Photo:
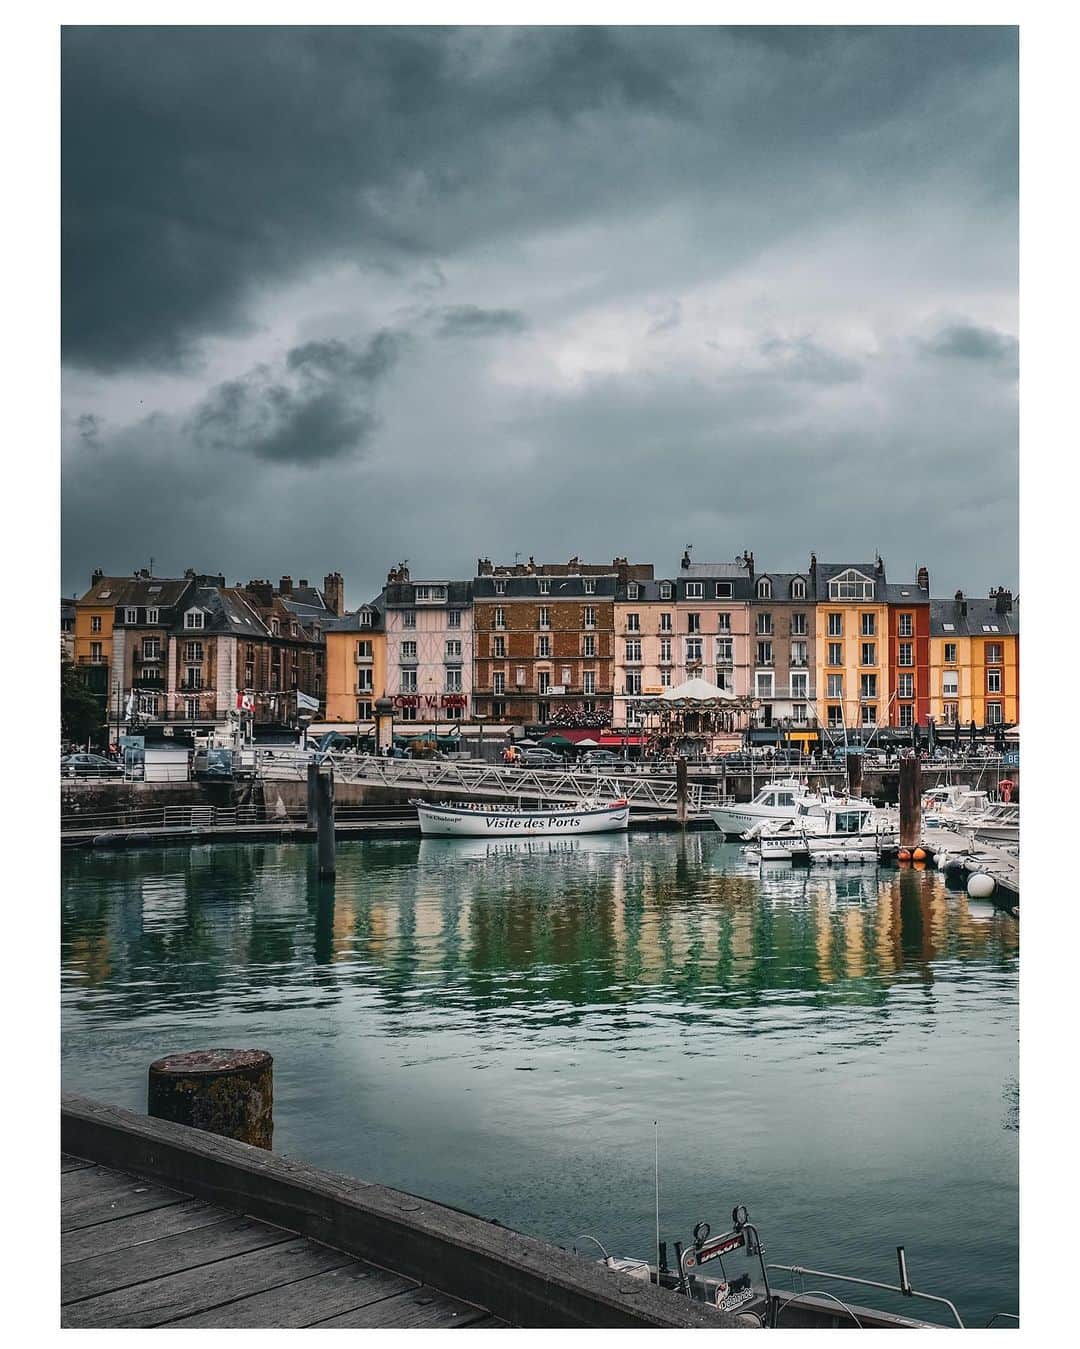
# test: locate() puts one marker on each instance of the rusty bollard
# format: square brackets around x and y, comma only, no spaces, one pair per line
[222,1091]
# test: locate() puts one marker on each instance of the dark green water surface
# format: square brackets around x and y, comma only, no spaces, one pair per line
[497,1026]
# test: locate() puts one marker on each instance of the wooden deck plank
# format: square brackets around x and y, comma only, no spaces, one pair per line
[84,1242]
[115,1270]
[68,1163]
[296,1305]
[95,1195]
[421,1309]
[176,1295]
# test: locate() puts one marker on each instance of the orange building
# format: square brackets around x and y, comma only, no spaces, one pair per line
[975,660]
[356,665]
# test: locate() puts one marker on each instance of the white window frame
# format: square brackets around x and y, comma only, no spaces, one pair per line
[950,689]
[851,585]
[764,589]
[905,625]
[633,590]
[131,615]
[633,622]
[695,590]
[194,620]
[724,590]
[589,586]
[588,617]
[798,588]
[588,681]
[544,586]
[993,681]
[799,681]
[665,590]
[588,645]
[544,617]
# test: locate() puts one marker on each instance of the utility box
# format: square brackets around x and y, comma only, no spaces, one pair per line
[165,765]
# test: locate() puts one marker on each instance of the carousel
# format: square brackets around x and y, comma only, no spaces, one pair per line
[693,719]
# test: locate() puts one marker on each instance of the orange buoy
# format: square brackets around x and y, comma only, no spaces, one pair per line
[919,855]
[904,855]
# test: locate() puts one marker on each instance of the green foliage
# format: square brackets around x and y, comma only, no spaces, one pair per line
[81,713]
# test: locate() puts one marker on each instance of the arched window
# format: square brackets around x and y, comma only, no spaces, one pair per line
[798,588]
[764,589]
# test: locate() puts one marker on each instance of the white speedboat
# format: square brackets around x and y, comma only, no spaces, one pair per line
[850,832]
[777,801]
[466,820]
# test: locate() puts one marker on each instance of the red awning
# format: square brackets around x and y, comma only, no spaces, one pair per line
[608,741]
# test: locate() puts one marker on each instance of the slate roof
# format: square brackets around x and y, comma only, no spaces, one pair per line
[905,592]
[227,609]
[109,590]
[648,592]
[981,614]
[559,587]
[402,594]
[351,622]
[719,571]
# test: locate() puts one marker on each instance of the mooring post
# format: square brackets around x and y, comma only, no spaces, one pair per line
[910,801]
[221,1091]
[681,788]
[854,774]
[312,774]
[324,811]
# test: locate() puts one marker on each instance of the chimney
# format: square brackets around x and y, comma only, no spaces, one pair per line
[334,593]
[96,575]
[685,563]
[302,583]
[959,598]
[285,585]
[1003,600]
[879,567]
[263,592]
[922,580]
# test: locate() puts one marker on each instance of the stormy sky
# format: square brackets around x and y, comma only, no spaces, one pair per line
[332,298]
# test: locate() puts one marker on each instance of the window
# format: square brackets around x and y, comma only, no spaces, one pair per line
[365,681]
[905,628]
[498,710]
[798,625]
[723,590]
[453,618]
[665,650]
[693,650]
[364,651]
[193,651]
[633,622]
[905,687]
[633,652]
[545,617]
[693,622]
[408,651]
[498,682]
[589,617]
[633,682]
[191,709]
[764,625]
[665,590]
[151,648]
[665,679]
[950,653]
[869,625]
[543,712]
[95,622]
[408,618]
[249,676]
[905,654]
[131,615]
[665,622]
[152,616]
[519,676]
[799,654]
[836,653]
[365,618]
[588,645]
[835,716]
[454,713]
[868,686]
[194,618]
[695,590]
[993,653]
[764,653]
[545,586]
[498,646]
[275,628]
[723,622]
[798,713]
[430,594]
[408,681]
[798,588]
[907,714]
[836,625]
[453,649]
[589,586]
[632,591]
[869,714]
[148,704]
[500,587]
[800,684]
[851,585]
[951,711]
[453,681]
[764,589]
[723,651]
[193,677]
[500,618]
[566,679]
[993,714]
[869,653]
[835,686]
[950,684]
[363,710]
[763,684]
[588,681]
[543,647]
[406,713]
[993,681]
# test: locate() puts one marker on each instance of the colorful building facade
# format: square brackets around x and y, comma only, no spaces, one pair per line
[975,660]
[356,665]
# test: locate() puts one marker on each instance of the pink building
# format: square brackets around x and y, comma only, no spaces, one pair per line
[429,649]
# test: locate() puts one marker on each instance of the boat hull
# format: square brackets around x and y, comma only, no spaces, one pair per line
[452,822]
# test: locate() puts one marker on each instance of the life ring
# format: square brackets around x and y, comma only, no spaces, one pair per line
[1006,787]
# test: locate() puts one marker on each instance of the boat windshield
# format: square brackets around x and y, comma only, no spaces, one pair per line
[850,821]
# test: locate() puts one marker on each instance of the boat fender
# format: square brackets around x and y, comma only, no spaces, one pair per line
[1006,787]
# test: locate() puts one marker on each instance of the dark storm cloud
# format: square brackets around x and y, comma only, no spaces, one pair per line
[322,412]
[468,320]
[967,342]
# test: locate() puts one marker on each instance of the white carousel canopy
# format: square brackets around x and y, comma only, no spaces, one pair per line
[698,691]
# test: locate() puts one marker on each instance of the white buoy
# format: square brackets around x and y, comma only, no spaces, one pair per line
[980,885]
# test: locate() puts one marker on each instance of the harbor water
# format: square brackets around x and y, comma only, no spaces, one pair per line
[497,1025]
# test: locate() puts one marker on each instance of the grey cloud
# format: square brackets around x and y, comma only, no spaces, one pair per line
[325,413]
[804,359]
[90,427]
[970,343]
[666,321]
[468,320]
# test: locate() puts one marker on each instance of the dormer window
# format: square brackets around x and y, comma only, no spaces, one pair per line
[131,615]
[665,590]
[590,587]
[365,618]
[764,589]
[545,587]
[724,590]
[851,585]
[633,590]
[152,616]
[275,627]
[798,588]
[500,587]
[194,618]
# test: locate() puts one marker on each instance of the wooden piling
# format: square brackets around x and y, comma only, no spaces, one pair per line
[221,1091]
[854,774]
[910,802]
[312,775]
[324,824]
[681,783]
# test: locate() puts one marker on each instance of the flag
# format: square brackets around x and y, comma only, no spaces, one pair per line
[303,701]
[245,702]
[129,710]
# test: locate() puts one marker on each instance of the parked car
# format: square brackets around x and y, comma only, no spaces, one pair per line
[538,757]
[603,758]
[90,766]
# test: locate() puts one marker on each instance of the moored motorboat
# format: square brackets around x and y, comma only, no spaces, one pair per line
[467,820]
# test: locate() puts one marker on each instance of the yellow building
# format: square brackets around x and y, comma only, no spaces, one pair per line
[355,666]
[975,660]
[851,647]
[94,614]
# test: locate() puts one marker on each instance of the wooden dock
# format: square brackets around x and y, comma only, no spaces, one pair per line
[163,1225]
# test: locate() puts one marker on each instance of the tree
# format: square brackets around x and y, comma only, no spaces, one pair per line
[81,713]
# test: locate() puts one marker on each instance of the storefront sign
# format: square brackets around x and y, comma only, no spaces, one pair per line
[431,701]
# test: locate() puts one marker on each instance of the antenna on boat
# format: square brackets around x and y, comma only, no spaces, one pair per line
[656,1177]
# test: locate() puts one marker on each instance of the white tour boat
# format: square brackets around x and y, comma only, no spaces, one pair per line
[466,820]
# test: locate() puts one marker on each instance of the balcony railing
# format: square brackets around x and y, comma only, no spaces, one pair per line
[93,660]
